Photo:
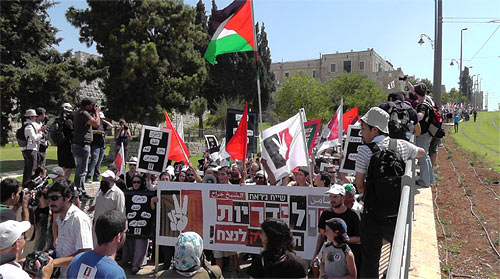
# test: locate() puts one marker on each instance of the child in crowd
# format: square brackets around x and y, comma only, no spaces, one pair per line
[337,260]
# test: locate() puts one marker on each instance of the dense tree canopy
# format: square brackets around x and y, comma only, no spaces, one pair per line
[149,48]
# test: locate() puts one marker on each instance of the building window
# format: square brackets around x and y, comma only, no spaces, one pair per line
[361,65]
[333,68]
[347,66]
[287,75]
[313,73]
[376,67]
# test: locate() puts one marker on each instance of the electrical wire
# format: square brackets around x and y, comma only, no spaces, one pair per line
[485,42]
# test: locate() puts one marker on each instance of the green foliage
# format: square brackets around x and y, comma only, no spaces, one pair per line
[198,108]
[301,91]
[149,47]
[33,74]
[218,117]
[451,97]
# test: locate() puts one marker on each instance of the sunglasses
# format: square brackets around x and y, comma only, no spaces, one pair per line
[136,182]
[54,197]
[259,177]
[189,174]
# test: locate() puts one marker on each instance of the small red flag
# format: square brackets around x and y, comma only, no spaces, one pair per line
[237,145]
[178,150]
[350,118]
[120,160]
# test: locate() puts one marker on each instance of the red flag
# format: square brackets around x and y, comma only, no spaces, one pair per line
[237,145]
[350,118]
[120,160]
[178,150]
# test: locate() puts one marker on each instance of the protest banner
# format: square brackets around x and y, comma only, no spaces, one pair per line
[228,217]
[233,120]
[212,143]
[312,131]
[353,140]
[153,149]
[141,218]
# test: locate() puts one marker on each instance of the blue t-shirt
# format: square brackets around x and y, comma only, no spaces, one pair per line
[456,118]
[91,265]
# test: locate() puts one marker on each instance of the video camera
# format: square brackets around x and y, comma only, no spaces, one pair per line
[41,256]
[34,186]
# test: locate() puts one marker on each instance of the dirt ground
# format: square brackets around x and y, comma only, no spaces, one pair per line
[464,248]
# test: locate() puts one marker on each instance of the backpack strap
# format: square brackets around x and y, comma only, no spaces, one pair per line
[393,144]
[373,147]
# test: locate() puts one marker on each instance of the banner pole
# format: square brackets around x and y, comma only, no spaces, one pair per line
[302,119]
[256,54]
[157,255]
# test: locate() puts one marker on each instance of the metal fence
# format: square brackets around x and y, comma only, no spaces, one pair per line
[399,261]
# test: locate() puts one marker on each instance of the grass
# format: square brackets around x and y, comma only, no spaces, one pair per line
[490,138]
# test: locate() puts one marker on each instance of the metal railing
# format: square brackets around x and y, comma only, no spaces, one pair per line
[399,261]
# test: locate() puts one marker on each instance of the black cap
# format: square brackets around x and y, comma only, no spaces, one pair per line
[88,101]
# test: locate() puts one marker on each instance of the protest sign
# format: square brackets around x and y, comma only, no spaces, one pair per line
[228,217]
[312,131]
[353,140]
[153,149]
[232,122]
[212,143]
[141,218]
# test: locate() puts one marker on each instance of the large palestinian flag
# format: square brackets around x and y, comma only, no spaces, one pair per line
[234,30]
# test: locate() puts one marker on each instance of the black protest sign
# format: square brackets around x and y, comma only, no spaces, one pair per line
[212,143]
[153,150]
[141,217]
[354,139]
[233,120]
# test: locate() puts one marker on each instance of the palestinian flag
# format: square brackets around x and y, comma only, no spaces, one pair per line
[234,30]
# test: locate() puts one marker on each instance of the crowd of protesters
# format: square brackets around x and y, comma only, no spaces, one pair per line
[350,236]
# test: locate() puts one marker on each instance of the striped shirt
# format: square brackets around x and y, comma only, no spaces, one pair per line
[73,233]
[406,149]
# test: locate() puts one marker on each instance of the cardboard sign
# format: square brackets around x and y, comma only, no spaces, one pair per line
[141,218]
[228,217]
[233,119]
[312,131]
[353,140]
[153,149]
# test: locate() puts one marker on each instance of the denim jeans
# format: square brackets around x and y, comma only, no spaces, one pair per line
[96,156]
[81,153]
[426,171]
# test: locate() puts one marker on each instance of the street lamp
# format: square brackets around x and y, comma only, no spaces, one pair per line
[460,74]
[421,41]
[452,64]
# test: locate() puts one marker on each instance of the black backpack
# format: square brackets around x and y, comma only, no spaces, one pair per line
[399,120]
[20,136]
[56,134]
[383,182]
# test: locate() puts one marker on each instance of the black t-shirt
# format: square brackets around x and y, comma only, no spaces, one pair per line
[121,184]
[350,218]
[67,130]
[425,110]
[98,139]
[292,267]
[412,113]
[83,131]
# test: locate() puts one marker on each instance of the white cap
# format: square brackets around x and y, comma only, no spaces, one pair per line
[10,231]
[336,189]
[133,160]
[101,115]
[108,173]
[171,171]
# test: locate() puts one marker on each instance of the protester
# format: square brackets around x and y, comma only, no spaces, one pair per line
[278,259]
[374,129]
[424,111]
[12,200]
[33,134]
[223,175]
[397,98]
[339,210]
[433,149]
[135,248]
[350,200]
[322,179]
[97,148]
[65,157]
[118,179]
[253,169]
[474,112]
[301,177]
[132,170]
[122,136]
[85,118]
[74,228]
[260,178]
[12,242]
[337,260]
[456,120]
[235,175]
[111,231]
[189,260]
[43,143]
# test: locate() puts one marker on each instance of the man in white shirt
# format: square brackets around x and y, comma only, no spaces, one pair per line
[33,134]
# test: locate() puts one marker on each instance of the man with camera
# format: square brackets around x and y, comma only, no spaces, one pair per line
[13,198]
[12,242]
[74,228]
[111,230]
[84,119]
[32,134]
[122,135]
[41,121]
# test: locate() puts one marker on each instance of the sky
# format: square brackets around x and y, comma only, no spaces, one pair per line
[302,29]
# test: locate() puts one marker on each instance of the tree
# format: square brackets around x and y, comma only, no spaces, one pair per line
[149,48]
[198,107]
[301,91]
[218,117]
[357,91]
[33,74]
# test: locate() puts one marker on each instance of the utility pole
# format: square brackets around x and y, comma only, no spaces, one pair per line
[460,91]
[438,35]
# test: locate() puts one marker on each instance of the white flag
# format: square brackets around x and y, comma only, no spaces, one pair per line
[283,146]
[180,128]
[391,85]
[332,134]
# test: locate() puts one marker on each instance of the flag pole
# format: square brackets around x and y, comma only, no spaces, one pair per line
[256,54]
[341,124]
[302,119]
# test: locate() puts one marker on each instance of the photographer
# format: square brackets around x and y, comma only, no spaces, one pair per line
[12,198]
[41,121]
[12,242]
[122,135]
[65,157]
[85,118]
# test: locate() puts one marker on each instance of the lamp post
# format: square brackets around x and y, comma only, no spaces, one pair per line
[460,74]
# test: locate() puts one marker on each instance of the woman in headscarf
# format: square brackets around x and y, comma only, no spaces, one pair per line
[189,261]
